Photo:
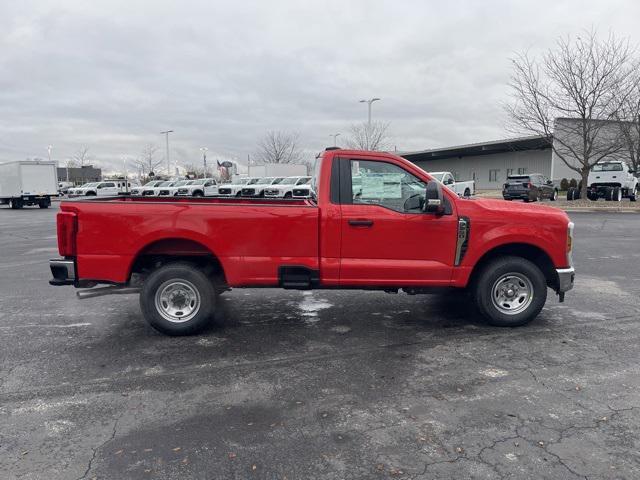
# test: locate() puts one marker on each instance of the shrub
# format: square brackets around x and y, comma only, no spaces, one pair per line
[573,183]
[564,184]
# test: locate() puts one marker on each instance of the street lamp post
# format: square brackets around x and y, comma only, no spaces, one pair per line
[166,134]
[204,159]
[369,102]
[335,138]
[49,148]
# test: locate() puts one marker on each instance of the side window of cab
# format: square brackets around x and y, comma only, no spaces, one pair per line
[386,185]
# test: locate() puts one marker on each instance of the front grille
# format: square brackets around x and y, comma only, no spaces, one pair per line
[272,192]
[135,192]
[224,191]
[248,191]
[164,192]
[300,192]
[182,191]
[147,192]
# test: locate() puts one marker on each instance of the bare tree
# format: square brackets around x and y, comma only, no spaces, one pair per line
[147,161]
[368,136]
[81,156]
[279,147]
[585,80]
[630,125]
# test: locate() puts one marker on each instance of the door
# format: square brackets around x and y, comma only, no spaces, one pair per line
[210,188]
[107,189]
[386,238]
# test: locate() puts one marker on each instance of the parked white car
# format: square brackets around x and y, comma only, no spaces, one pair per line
[202,187]
[284,189]
[163,185]
[79,191]
[146,189]
[255,188]
[463,189]
[172,190]
[233,189]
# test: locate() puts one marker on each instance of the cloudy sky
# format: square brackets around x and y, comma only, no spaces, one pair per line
[112,74]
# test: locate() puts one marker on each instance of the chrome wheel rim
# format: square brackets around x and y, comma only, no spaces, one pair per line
[512,293]
[177,301]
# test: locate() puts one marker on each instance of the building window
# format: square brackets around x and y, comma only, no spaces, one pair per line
[493,175]
[522,171]
[509,172]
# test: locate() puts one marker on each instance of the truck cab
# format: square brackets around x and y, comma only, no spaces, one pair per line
[613,181]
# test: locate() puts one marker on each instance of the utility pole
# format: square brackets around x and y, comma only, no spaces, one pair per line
[49,148]
[166,134]
[369,102]
[204,159]
[335,138]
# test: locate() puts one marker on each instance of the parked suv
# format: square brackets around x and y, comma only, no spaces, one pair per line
[529,188]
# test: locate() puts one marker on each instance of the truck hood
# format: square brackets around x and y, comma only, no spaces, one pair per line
[516,212]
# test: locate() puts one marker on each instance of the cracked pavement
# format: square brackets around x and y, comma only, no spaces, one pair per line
[323,384]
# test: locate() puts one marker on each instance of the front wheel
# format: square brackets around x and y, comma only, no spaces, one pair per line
[510,291]
[178,299]
[634,195]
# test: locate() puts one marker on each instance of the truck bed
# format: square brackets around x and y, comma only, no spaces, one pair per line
[249,237]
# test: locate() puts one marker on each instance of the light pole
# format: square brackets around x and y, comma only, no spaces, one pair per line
[369,102]
[335,138]
[166,134]
[204,159]
[49,148]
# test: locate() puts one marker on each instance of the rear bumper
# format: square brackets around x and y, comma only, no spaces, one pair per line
[63,271]
[566,277]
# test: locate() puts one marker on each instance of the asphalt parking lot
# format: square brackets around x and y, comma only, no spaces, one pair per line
[322,385]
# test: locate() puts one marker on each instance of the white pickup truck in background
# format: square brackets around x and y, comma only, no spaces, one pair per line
[463,189]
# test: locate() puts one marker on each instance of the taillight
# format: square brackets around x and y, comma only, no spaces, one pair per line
[67,228]
[529,185]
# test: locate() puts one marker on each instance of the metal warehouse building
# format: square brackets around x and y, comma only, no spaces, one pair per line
[489,163]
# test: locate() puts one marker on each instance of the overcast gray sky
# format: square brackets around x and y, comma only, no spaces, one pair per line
[112,74]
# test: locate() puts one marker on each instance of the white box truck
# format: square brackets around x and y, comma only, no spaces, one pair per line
[28,182]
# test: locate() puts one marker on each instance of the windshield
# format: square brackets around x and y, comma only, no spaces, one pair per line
[89,185]
[519,178]
[151,184]
[607,167]
[437,176]
[265,181]
[165,184]
[253,181]
[199,182]
[304,181]
[181,183]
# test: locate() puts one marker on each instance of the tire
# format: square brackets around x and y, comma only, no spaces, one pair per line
[570,193]
[616,195]
[43,205]
[573,194]
[592,196]
[15,204]
[239,194]
[91,194]
[467,193]
[634,196]
[288,195]
[198,193]
[554,196]
[183,282]
[608,194]
[512,309]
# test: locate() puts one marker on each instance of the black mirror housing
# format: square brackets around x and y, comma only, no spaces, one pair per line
[434,200]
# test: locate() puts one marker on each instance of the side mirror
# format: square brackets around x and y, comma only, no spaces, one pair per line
[449,181]
[434,201]
[99,186]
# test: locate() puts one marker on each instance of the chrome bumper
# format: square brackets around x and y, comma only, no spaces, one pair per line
[566,276]
[63,271]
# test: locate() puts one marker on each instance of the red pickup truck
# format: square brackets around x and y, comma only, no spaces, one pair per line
[374,221]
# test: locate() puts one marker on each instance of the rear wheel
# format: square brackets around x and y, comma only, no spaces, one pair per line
[178,299]
[288,195]
[634,195]
[510,291]
[15,203]
[554,195]
[198,194]
[43,204]
[616,195]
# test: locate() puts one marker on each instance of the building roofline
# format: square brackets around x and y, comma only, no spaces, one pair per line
[531,142]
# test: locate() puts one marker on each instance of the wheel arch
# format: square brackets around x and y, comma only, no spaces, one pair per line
[175,248]
[531,252]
